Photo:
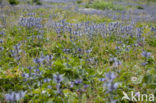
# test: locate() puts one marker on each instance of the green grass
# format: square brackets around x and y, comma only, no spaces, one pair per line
[102,5]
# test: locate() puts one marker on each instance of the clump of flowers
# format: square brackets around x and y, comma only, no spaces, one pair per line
[15,96]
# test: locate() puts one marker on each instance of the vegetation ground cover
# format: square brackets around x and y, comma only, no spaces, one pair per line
[59,51]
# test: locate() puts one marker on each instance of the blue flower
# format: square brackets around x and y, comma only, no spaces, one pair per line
[2,33]
[112,86]
[49,86]
[86,86]
[144,64]
[113,101]
[146,54]
[71,84]
[31,22]
[117,63]
[14,96]
[1,48]
[25,75]
[47,80]
[110,76]
[1,41]
[78,81]
[57,78]
[30,68]
[113,59]
[102,79]
[38,60]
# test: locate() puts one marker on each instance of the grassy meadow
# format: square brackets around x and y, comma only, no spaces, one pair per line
[77,51]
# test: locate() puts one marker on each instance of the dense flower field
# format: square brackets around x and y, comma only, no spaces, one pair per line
[78,51]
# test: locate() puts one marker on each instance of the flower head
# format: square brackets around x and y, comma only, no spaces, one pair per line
[57,78]
[146,54]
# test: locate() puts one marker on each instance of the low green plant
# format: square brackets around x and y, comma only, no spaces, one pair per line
[140,7]
[13,2]
[37,2]
[79,1]
[100,4]
[152,42]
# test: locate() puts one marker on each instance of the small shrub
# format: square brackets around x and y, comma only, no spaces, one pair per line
[140,7]
[79,1]
[37,2]
[152,42]
[13,2]
[103,5]
[87,6]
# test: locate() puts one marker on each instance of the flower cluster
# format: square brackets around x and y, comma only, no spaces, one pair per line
[30,22]
[15,96]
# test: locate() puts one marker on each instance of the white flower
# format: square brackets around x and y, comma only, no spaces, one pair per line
[43,92]
[134,79]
